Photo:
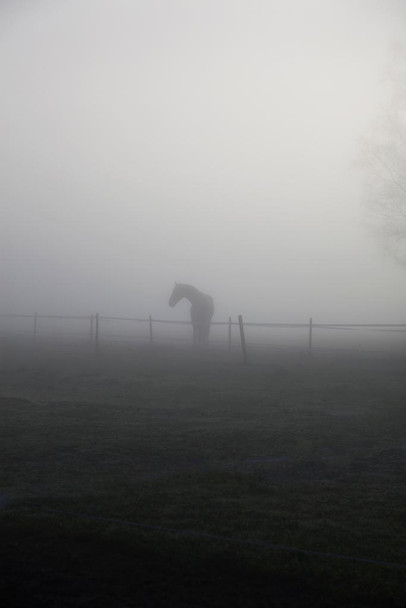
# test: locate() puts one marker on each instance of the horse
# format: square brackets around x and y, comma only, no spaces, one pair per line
[201,311]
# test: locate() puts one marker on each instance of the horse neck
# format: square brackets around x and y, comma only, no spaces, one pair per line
[190,293]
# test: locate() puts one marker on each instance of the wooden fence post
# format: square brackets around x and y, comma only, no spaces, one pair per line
[310,333]
[243,345]
[229,333]
[151,337]
[91,327]
[96,337]
[34,335]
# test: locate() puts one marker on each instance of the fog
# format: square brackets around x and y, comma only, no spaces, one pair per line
[210,142]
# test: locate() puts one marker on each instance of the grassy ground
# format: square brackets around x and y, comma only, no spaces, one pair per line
[303,451]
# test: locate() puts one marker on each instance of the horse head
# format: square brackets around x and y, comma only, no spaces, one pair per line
[175,297]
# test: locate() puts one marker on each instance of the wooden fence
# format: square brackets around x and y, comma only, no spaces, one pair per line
[97,328]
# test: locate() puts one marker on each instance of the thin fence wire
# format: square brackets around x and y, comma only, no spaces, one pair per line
[112,328]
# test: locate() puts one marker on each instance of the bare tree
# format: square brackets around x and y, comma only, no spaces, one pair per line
[384,157]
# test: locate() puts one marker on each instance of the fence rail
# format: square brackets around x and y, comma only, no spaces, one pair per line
[96,330]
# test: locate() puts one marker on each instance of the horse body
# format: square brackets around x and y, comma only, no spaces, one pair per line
[201,311]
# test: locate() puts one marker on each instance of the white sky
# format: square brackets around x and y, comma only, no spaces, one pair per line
[202,141]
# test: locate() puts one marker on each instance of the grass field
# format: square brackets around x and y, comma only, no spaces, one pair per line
[160,476]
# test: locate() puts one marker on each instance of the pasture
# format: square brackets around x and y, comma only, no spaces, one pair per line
[166,476]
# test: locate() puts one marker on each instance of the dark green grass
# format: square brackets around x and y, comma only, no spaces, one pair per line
[306,452]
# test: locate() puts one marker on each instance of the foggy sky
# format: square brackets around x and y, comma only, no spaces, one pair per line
[211,142]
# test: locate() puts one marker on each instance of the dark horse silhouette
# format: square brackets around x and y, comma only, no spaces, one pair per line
[201,311]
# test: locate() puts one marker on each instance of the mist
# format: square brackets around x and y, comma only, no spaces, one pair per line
[206,142]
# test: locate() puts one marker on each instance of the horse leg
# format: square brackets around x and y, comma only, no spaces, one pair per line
[198,335]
